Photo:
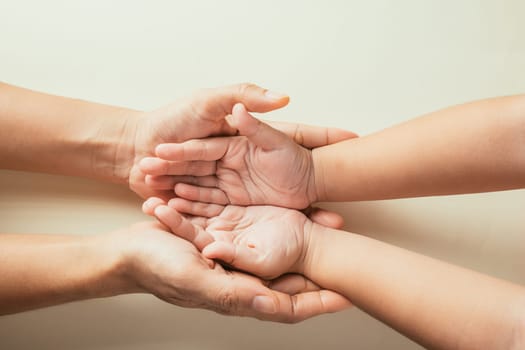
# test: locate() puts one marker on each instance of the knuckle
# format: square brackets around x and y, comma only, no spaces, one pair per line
[228,301]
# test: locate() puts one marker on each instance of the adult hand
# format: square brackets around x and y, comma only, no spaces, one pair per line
[199,116]
[171,268]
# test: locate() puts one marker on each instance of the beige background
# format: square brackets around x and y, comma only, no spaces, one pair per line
[361,65]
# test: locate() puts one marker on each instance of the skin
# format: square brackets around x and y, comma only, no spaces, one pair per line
[250,169]
[481,141]
[146,258]
[474,147]
[410,292]
[82,138]
[46,133]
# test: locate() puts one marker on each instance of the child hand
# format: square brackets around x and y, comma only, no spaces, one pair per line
[263,166]
[264,240]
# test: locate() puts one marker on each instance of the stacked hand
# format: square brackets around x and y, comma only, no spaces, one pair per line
[220,184]
[214,179]
[202,115]
[175,271]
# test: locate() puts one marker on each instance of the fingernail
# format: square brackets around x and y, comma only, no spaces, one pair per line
[264,304]
[148,202]
[274,95]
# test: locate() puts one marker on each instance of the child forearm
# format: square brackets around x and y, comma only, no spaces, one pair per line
[54,134]
[475,147]
[434,303]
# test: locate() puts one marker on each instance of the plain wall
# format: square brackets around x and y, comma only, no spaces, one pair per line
[360,65]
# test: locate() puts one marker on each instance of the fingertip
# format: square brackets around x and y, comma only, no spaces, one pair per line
[327,218]
[161,211]
[160,150]
[334,302]
[175,202]
[238,111]
[146,163]
[238,108]
[337,135]
[277,97]
[183,190]
[209,252]
[218,250]
[149,206]
[148,179]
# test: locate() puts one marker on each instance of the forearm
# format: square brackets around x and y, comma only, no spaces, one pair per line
[436,304]
[52,134]
[475,147]
[44,270]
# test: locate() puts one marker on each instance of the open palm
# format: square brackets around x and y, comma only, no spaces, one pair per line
[263,240]
[263,166]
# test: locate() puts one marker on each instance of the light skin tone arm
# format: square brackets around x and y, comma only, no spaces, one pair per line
[53,134]
[475,147]
[60,135]
[436,304]
[44,270]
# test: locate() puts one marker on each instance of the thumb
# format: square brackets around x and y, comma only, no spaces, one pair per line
[256,131]
[218,102]
[237,256]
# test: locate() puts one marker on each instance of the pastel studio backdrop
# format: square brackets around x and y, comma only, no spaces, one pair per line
[361,65]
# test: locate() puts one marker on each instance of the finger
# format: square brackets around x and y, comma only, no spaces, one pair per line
[206,149]
[150,204]
[195,208]
[242,257]
[182,227]
[310,136]
[157,166]
[298,307]
[218,102]
[325,218]
[256,131]
[201,194]
[243,295]
[168,182]
[292,284]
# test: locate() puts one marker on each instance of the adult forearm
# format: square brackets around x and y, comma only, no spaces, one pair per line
[59,135]
[475,147]
[436,304]
[44,270]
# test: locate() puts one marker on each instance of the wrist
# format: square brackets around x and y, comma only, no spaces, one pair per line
[113,147]
[318,181]
[110,266]
[312,248]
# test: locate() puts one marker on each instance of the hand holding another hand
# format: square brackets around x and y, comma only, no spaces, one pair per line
[158,262]
[201,115]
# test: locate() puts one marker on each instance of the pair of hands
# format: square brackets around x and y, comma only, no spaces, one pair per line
[172,268]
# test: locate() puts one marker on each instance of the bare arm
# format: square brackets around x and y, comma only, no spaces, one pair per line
[53,134]
[44,270]
[475,147]
[438,305]
[59,135]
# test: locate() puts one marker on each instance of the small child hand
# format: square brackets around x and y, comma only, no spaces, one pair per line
[262,166]
[264,240]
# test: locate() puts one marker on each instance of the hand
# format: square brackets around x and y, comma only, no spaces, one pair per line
[199,116]
[263,240]
[263,166]
[171,268]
